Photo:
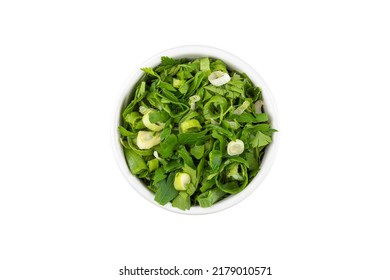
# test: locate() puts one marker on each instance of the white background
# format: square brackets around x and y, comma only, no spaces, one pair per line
[66,212]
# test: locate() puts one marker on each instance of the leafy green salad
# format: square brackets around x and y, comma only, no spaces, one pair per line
[194,131]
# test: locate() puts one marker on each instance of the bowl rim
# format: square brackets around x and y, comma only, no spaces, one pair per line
[234,62]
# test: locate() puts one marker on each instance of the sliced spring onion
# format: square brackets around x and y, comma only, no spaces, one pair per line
[230,124]
[235,147]
[219,78]
[147,139]
[143,110]
[241,108]
[193,100]
[148,124]
[182,181]
[190,125]
[258,106]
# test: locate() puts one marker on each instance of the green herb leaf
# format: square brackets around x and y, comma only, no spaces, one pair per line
[196,82]
[123,131]
[135,162]
[140,93]
[193,138]
[158,116]
[182,201]
[215,159]
[166,86]
[260,140]
[210,197]
[250,118]
[172,165]
[185,155]
[167,147]
[217,90]
[165,60]
[151,72]
[159,175]
[197,151]
[165,190]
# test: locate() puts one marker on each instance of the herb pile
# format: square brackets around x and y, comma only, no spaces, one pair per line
[194,132]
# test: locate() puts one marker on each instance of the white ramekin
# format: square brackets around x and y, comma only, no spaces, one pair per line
[233,62]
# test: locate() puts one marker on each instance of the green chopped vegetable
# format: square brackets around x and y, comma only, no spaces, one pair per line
[153,164]
[190,125]
[165,190]
[182,201]
[210,197]
[182,180]
[135,162]
[195,131]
